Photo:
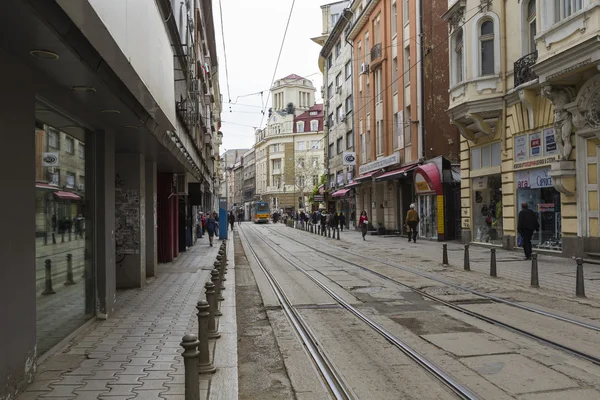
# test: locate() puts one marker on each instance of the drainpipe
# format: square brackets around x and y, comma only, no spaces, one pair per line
[503,68]
[351,91]
[420,80]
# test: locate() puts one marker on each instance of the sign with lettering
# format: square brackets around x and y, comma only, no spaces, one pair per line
[540,178]
[520,143]
[535,163]
[381,163]
[550,141]
[480,183]
[319,198]
[535,144]
[522,179]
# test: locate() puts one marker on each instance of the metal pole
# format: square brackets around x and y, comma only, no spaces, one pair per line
[467,262]
[69,280]
[445,254]
[338,233]
[48,280]
[190,360]
[212,302]
[493,271]
[534,271]
[579,287]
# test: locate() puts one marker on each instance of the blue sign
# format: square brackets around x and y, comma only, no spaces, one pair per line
[223,218]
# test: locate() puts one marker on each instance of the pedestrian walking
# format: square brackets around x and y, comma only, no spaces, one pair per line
[231,219]
[527,224]
[211,227]
[412,220]
[363,223]
[342,221]
[353,218]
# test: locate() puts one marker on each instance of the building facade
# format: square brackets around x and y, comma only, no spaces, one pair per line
[249,181]
[109,139]
[528,137]
[289,151]
[400,121]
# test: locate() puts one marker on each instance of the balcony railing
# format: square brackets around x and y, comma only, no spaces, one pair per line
[523,71]
[376,52]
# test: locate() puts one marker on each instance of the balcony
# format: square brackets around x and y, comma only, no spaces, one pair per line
[376,53]
[523,71]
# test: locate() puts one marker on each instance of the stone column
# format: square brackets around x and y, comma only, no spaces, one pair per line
[151,219]
[130,219]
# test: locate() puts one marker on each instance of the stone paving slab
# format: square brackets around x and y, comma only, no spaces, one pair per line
[136,353]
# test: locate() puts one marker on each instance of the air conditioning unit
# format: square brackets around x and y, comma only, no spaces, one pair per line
[364,68]
[182,187]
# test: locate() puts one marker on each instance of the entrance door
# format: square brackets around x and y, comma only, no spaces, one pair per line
[428,216]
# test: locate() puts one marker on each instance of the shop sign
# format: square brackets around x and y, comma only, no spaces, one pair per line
[534,179]
[535,144]
[522,179]
[549,207]
[421,184]
[349,158]
[535,163]
[520,144]
[480,183]
[550,141]
[319,198]
[381,163]
[50,160]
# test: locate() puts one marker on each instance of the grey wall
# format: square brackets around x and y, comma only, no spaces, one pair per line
[105,222]
[17,216]
[151,219]
[130,219]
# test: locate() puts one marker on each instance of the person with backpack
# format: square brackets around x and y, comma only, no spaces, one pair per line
[211,227]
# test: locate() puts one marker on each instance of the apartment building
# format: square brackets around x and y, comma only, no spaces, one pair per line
[405,145]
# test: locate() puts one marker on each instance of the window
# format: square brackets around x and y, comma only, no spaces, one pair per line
[276,180]
[300,126]
[54,176]
[314,126]
[330,150]
[348,104]
[486,47]
[363,147]
[301,145]
[377,30]
[405,11]
[314,162]
[340,145]
[313,113]
[395,132]
[334,19]
[406,66]
[339,114]
[275,148]
[395,75]
[349,140]
[330,91]
[277,164]
[69,145]
[315,180]
[81,150]
[407,135]
[531,20]
[300,163]
[53,138]
[348,69]
[486,156]
[330,121]
[564,8]
[458,58]
[338,80]
[378,86]
[338,49]
[379,132]
[394,17]
[329,61]
[70,180]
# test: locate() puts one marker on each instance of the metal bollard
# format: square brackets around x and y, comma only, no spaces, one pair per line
[218,266]
[493,271]
[445,254]
[48,289]
[467,262]
[211,299]
[53,238]
[69,280]
[214,277]
[69,235]
[190,360]
[62,238]
[338,234]
[318,230]
[534,271]
[205,366]
[221,267]
[328,232]
[45,238]
[579,287]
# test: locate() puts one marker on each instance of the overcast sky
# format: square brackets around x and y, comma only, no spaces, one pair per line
[253,34]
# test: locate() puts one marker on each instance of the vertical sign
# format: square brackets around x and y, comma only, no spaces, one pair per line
[223,218]
[550,141]
[400,130]
[440,212]
[520,143]
[535,144]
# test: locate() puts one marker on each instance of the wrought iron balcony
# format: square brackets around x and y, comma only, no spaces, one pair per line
[523,71]
[376,52]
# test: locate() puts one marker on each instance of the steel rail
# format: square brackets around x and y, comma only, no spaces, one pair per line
[331,377]
[550,343]
[458,389]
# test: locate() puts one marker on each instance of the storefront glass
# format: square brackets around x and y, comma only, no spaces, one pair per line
[534,187]
[487,209]
[64,227]
[427,209]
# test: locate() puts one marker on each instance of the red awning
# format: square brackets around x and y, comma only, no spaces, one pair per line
[66,195]
[395,174]
[366,176]
[44,185]
[427,180]
[340,193]
[352,184]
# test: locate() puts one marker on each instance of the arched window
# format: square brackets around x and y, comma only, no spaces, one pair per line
[459,58]
[531,28]
[486,47]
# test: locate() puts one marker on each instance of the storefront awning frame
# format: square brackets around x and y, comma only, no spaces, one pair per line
[396,174]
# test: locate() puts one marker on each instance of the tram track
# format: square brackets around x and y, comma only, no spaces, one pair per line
[330,374]
[458,308]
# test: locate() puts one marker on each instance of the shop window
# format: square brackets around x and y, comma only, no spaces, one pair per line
[486,156]
[487,209]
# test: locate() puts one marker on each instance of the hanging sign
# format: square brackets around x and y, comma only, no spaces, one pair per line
[50,160]
[349,158]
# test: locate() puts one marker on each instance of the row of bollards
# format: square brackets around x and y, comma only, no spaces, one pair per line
[48,289]
[196,354]
[535,282]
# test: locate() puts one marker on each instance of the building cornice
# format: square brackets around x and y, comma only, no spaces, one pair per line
[362,19]
[336,33]
[577,57]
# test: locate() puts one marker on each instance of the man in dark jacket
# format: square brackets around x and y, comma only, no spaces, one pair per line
[527,224]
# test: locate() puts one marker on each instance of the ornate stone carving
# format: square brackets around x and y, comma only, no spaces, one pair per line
[560,96]
[587,106]
[456,19]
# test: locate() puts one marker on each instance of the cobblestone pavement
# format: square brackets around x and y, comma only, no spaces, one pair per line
[136,352]
[556,273]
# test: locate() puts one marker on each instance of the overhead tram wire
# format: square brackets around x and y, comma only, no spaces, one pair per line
[278,58]
[225,53]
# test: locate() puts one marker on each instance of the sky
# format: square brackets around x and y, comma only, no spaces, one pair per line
[253,32]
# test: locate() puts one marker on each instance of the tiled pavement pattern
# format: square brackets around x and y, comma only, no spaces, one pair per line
[556,273]
[136,352]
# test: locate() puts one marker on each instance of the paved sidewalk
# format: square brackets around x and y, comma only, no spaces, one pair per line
[136,353]
[555,272]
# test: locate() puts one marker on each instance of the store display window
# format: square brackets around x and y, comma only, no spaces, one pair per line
[487,209]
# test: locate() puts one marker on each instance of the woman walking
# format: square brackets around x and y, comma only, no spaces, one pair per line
[412,220]
[363,223]
[211,227]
